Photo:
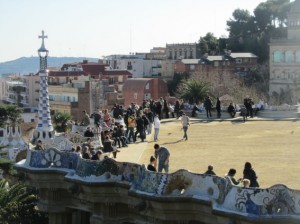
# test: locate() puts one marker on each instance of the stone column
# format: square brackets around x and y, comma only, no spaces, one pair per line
[105,214]
[60,218]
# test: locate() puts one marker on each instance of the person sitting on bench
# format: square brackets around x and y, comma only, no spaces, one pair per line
[231,110]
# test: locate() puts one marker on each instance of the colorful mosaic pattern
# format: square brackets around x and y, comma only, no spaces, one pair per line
[277,200]
[53,158]
[44,119]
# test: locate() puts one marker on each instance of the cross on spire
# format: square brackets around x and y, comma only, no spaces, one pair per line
[43,36]
[43,44]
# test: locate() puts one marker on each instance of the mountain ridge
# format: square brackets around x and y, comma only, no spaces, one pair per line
[26,65]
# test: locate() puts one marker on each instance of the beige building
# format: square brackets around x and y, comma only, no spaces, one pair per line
[181,51]
[285,58]
[167,69]
[20,90]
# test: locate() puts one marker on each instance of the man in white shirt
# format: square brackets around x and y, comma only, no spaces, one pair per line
[185,121]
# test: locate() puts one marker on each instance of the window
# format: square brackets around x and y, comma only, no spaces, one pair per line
[297,56]
[129,66]
[277,56]
[289,56]
[147,86]
[238,61]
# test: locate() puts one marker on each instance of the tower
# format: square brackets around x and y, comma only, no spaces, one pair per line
[44,129]
[294,21]
[284,59]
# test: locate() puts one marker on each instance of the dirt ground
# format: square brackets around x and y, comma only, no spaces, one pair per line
[273,148]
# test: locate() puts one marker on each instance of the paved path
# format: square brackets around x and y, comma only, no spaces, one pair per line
[134,151]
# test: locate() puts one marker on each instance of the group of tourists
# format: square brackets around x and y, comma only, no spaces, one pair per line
[247,109]
[249,176]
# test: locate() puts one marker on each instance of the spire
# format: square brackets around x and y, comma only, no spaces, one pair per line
[44,127]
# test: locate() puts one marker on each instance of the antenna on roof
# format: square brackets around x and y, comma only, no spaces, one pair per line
[130,39]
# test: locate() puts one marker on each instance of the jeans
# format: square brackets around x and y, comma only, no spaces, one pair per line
[208,112]
[162,166]
[185,128]
[156,131]
[149,128]
[131,134]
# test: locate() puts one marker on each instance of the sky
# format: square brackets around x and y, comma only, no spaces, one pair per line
[97,28]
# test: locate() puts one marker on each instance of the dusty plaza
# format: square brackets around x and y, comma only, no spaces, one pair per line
[272,146]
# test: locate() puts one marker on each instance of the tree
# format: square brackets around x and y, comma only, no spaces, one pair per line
[61,121]
[173,84]
[253,33]
[209,44]
[10,114]
[194,91]
[17,205]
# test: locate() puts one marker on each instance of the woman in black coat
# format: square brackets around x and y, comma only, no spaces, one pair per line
[250,174]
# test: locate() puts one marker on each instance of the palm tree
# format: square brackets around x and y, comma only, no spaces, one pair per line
[61,120]
[17,204]
[193,90]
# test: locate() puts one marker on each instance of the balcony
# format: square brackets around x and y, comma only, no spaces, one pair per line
[16,83]
[24,94]
[24,102]
[11,91]
[10,100]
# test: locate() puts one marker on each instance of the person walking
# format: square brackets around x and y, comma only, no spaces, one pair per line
[162,154]
[185,121]
[156,127]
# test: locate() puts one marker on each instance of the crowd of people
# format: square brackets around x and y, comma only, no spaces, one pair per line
[119,127]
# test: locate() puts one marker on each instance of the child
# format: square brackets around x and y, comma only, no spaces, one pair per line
[152,164]
[246,182]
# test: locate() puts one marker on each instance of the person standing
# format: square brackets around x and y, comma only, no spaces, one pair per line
[250,174]
[131,127]
[156,123]
[150,117]
[218,107]
[185,121]
[208,106]
[165,108]
[86,119]
[177,108]
[163,155]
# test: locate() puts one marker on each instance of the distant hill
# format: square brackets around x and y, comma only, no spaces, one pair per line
[27,65]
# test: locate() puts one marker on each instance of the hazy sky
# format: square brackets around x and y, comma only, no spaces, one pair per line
[94,28]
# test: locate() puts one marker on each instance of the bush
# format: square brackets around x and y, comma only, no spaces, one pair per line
[5,164]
